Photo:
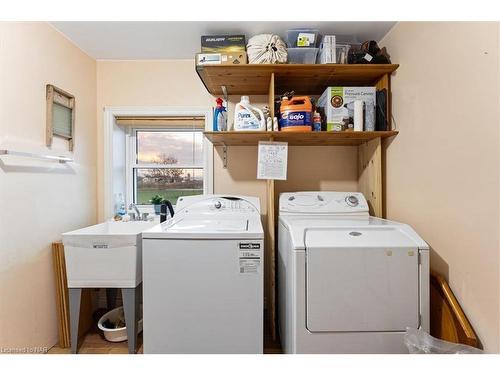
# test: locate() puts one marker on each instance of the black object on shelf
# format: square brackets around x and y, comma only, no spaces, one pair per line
[381,110]
[368,53]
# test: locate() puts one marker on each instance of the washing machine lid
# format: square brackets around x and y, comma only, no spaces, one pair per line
[189,227]
[375,230]
[357,237]
[366,288]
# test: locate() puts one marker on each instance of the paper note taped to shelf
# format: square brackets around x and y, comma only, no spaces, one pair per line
[272,161]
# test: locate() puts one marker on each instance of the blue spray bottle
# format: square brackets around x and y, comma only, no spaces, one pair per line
[220,116]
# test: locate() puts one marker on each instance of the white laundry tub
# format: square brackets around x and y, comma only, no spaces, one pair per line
[115,334]
[106,255]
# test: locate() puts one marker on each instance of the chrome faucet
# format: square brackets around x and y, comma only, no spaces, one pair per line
[137,212]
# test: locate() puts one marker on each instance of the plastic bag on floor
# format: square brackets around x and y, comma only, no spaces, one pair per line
[420,342]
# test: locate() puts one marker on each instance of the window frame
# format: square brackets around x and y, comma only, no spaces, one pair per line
[108,185]
[131,162]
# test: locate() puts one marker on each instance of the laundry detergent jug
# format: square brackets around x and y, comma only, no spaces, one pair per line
[248,117]
[295,114]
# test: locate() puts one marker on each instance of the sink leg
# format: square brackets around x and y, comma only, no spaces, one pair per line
[130,298]
[75,296]
[111,294]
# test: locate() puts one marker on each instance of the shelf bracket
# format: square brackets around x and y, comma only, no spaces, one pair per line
[224,94]
[224,156]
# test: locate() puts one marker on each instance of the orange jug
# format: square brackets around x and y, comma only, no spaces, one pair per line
[296,114]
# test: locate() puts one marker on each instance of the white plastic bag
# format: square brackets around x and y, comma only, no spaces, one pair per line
[266,49]
[420,342]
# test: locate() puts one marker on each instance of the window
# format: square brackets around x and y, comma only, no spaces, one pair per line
[135,137]
[166,162]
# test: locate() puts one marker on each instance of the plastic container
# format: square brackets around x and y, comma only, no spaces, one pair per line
[120,208]
[247,117]
[308,38]
[341,53]
[316,122]
[295,114]
[115,334]
[302,55]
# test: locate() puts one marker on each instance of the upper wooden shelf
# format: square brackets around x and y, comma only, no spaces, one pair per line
[254,79]
[249,138]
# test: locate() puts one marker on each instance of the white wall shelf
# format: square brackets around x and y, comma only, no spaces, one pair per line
[60,159]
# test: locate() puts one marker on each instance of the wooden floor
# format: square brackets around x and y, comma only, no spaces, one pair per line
[94,343]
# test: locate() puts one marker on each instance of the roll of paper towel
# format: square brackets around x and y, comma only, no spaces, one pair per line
[358,115]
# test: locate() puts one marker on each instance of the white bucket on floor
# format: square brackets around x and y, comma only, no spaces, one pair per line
[115,334]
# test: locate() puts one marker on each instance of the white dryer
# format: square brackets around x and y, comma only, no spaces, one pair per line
[203,278]
[348,282]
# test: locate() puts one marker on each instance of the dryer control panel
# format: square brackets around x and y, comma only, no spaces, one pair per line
[326,202]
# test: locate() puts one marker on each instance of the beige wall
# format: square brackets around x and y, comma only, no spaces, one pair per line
[443,167]
[39,200]
[175,83]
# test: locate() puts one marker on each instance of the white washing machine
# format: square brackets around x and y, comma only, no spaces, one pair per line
[203,278]
[348,282]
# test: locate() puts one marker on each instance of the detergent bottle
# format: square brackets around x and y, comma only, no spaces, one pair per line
[295,114]
[248,117]
[220,117]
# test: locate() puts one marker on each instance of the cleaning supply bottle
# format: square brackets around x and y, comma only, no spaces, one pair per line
[120,208]
[316,122]
[295,114]
[220,117]
[248,117]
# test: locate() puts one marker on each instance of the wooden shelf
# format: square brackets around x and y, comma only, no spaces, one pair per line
[249,138]
[253,79]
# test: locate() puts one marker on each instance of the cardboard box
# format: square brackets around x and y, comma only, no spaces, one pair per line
[336,105]
[221,58]
[327,50]
[228,44]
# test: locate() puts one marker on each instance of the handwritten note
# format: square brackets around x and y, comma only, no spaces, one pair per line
[272,160]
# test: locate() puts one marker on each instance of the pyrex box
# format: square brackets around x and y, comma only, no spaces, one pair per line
[337,107]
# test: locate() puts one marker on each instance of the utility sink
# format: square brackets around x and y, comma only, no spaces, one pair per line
[106,255]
